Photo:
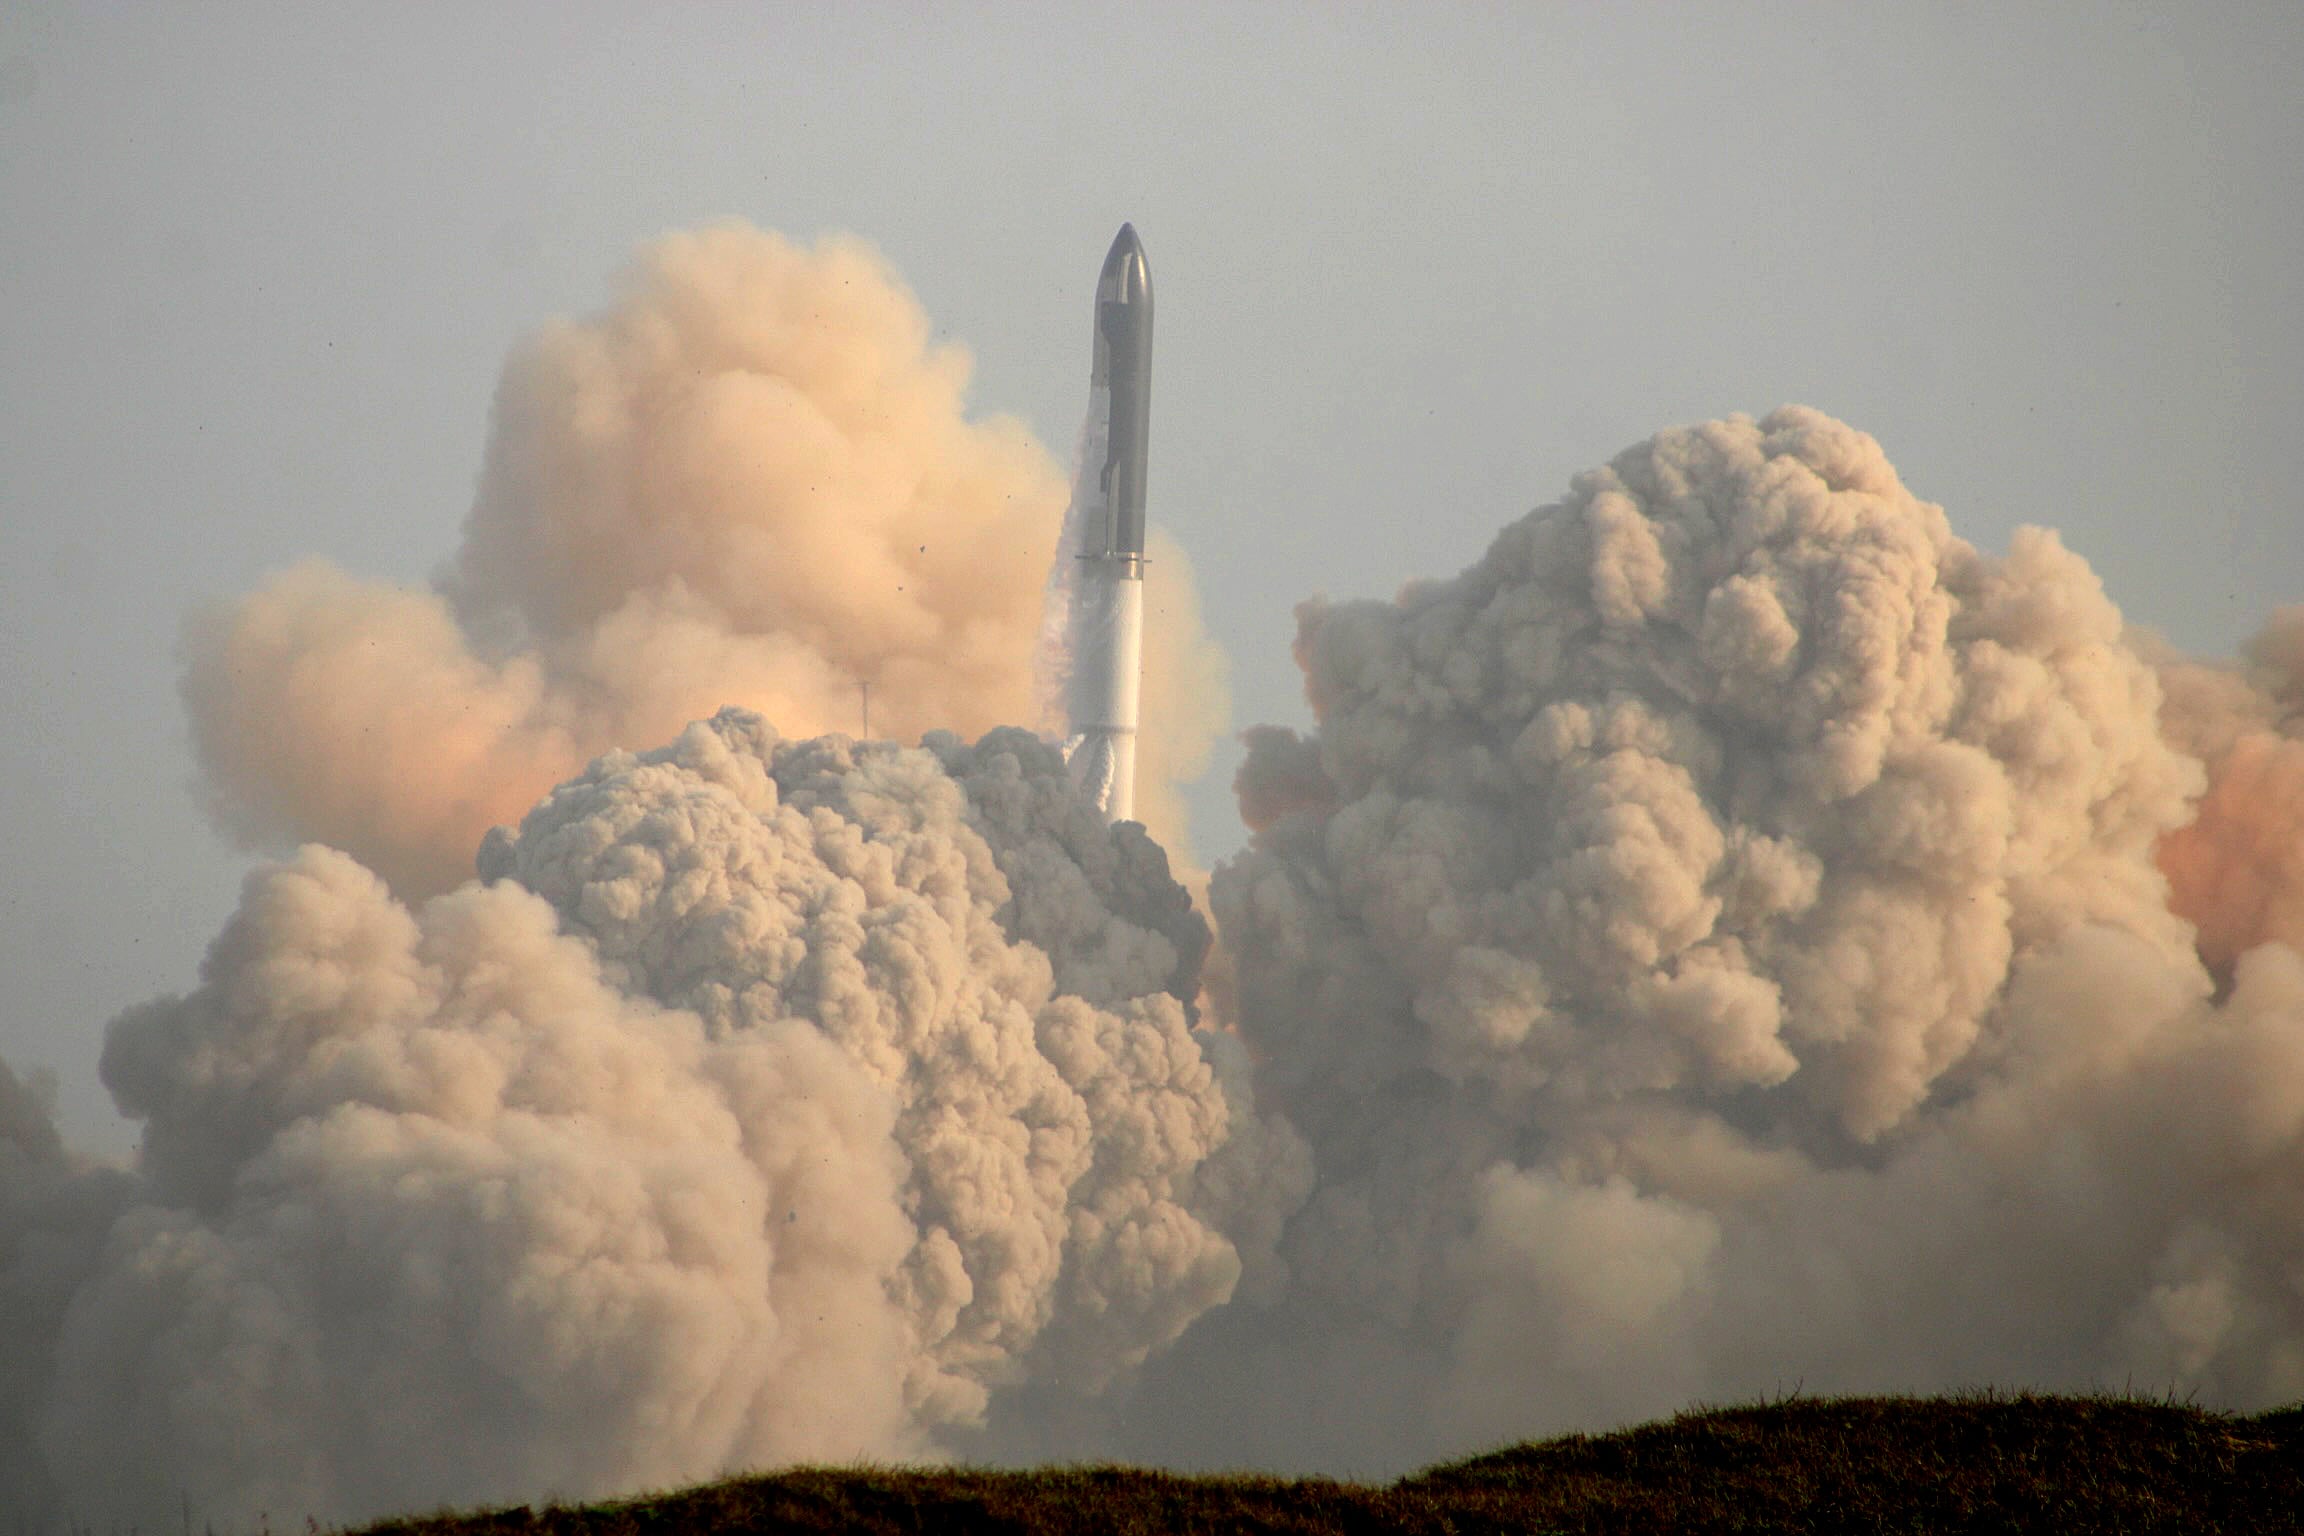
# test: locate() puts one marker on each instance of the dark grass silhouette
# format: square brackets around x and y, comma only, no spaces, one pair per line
[1978,1463]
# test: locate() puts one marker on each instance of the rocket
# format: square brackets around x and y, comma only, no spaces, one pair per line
[1107,529]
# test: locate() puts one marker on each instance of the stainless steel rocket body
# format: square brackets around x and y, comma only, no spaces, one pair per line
[1123,370]
[1107,625]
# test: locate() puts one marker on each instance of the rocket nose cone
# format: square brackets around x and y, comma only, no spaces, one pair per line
[1127,277]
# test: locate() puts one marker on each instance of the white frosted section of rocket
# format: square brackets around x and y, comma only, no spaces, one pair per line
[1102,558]
[1107,682]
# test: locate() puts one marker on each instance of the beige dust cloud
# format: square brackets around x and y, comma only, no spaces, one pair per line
[752,480]
[1719,939]
[2237,870]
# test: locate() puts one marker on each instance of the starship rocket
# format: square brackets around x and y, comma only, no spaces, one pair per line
[1107,523]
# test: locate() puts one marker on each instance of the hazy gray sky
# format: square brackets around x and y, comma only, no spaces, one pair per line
[1416,265]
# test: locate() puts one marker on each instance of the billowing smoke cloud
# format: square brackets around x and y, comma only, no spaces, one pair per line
[750,481]
[1715,943]
[1734,936]
[2238,869]
[53,1215]
[770,1100]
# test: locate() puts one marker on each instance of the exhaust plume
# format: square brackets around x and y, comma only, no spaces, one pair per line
[1715,943]
[771,1100]
[750,481]
[1735,936]
[54,1211]
[2238,868]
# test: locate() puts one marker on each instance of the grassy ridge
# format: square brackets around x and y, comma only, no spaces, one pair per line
[1972,1464]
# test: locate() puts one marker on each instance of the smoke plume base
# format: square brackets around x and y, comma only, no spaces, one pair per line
[766,1101]
[1722,937]
[1735,931]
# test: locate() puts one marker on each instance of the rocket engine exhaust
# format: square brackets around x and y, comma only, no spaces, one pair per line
[1106,532]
